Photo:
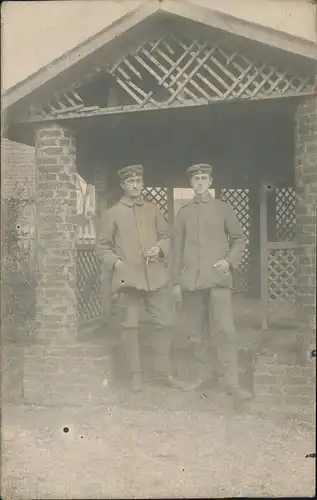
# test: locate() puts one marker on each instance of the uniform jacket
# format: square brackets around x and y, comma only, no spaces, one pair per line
[205,232]
[129,230]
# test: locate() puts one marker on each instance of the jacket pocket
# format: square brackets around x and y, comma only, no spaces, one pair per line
[123,276]
[221,279]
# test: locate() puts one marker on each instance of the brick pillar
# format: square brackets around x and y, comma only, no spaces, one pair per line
[58,368]
[56,323]
[56,234]
[306,189]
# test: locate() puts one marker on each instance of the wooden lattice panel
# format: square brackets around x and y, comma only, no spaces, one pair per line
[176,70]
[157,195]
[88,283]
[61,104]
[281,277]
[238,199]
[285,214]
[179,69]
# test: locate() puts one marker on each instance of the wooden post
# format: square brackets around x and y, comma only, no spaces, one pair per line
[271,212]
[170,206]
[217,192]
[254,183]
[264,259]
[254,278]
[100,182]
[101,207]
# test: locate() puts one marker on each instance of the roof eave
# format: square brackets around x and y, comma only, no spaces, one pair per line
[241,27]
[78,53]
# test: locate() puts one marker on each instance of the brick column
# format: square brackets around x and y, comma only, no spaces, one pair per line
[306,189]
[58,368]
[56,234]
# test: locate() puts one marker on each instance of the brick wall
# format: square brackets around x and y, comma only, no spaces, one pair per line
[286,384]
[17,168]
[18,175]
[67,374]
[306,188]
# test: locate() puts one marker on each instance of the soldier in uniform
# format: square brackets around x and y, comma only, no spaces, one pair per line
[134,244]
[208,244]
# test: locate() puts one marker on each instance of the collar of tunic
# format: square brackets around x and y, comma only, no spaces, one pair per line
[129,202]
[205,198]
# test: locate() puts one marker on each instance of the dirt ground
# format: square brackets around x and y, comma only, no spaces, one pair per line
[157,444]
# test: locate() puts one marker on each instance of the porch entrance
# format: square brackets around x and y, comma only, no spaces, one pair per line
[170,92]
[167,88]
[251,148]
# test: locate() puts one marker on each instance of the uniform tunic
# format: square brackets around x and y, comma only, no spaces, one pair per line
[129,230]
[206,231]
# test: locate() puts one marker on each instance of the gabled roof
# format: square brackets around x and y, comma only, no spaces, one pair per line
[120,35]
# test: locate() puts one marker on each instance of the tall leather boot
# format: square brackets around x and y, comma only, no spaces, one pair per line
[162,365]
[200,359]
[130,340]
[230,378]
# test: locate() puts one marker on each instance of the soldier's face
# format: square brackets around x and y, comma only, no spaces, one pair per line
[200,183]
[133,186]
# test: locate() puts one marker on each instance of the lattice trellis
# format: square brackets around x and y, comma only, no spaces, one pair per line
[285,214]
[174,70]
[88,283]
[281,277]
[239,201]
[157,195]
[193,69]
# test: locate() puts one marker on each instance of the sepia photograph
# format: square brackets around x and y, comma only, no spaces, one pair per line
[158,249]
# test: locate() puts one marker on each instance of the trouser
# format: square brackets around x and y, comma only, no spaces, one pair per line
[159,305]
[209,323]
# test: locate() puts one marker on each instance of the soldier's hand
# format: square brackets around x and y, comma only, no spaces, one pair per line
[177,294]
[117,263]
[222,266]
[153,252]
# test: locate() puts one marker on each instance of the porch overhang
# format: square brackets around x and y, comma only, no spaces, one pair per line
[51,93]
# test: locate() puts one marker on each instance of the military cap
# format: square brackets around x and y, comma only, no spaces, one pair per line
[199,168]
[130,171]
